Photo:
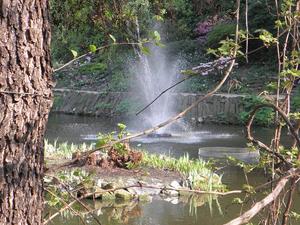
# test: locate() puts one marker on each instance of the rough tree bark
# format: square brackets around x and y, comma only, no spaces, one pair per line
[25,101]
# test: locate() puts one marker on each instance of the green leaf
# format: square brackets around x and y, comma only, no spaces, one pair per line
[189,72]
[242,34]
[237,201]
[113,38]
[212,51]
[248,188]
[92,48]
[295,215]
[279,24]
[156,36]
[158,18]
[145,50]
[266,37]
[74,53]
[121,126]
[159,44]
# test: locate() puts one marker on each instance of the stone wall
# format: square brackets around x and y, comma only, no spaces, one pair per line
[218,108]
[90,103]
[221,108]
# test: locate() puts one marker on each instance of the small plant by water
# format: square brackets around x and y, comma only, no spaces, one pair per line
[198,173]
[64,150]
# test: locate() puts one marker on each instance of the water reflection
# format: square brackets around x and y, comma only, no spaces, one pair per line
[168,211]
[187,210]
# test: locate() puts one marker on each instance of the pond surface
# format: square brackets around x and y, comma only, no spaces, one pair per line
[188,211]
[78,129]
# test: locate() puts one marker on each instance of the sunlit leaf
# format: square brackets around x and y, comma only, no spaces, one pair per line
[121,126]
[145,50]
[74,53]
[237,201]
[188,72]
[113,38]
[92,48]
[156,36]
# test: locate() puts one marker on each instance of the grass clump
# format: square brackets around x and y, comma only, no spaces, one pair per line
[64,150]
[198,173]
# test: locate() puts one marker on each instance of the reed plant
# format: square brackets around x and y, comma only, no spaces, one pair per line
[64,150]
[198,173]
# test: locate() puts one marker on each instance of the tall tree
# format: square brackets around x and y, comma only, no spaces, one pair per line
[25,100]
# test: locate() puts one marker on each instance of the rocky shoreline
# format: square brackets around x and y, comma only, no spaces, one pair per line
[144,185]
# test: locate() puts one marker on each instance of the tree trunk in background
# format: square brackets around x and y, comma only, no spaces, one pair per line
[24,68]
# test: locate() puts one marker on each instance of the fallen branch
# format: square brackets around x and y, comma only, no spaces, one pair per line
[248,215]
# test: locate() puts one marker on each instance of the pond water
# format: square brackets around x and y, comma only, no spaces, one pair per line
[188,211]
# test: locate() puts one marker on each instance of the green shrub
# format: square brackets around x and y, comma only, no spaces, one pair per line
[93,68]
[264,117]
[218,33]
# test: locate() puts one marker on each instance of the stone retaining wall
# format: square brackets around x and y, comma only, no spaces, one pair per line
[218,108]
[221,108]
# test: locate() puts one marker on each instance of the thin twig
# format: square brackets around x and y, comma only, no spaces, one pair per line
[281,113]
[67,207]
[289,203]
[164,91]
[247,30]
[75,198]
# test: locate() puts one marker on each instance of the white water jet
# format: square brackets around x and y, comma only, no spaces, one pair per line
[155,73]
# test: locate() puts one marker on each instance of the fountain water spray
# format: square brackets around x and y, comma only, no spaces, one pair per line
[154,73]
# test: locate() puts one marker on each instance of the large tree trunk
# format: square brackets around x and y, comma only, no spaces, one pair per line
[24,68]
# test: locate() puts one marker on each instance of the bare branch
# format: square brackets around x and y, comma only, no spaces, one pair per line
[75,198]
[248,215]
[289,202]
[285,118]
[67,206]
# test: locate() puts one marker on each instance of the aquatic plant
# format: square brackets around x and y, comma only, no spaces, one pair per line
[64,150]
[198,173]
